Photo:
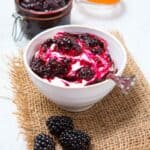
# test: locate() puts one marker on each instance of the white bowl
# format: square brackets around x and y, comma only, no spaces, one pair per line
[75,98]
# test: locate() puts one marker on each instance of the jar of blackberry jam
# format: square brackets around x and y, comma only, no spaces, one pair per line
[35,16]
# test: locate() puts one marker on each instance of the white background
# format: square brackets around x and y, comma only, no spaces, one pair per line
[134,24]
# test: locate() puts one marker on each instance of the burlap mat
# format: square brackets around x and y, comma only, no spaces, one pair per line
[118,122]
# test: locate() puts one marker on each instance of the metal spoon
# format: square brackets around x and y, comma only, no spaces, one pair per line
[125,83]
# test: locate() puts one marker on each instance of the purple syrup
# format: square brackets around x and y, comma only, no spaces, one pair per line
[79,58]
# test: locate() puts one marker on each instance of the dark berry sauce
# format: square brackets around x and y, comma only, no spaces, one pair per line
[43,5]
[69,59]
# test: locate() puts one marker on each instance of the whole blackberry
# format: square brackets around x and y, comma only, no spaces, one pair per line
[58,124]
[74,140]
[43,142]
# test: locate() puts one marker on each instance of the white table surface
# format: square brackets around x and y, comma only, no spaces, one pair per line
[134,24]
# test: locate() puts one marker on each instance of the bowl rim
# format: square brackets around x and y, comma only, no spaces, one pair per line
[80,26]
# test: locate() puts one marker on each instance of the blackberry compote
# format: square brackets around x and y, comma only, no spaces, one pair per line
[73,59]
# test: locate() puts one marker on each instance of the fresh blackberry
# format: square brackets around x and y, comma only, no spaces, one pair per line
[74,140]
[85,73]
[58,124]
[43,142]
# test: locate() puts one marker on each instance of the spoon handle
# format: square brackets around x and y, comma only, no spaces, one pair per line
[125,83]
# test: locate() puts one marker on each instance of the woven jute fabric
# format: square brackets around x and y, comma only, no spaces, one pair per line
[118,122]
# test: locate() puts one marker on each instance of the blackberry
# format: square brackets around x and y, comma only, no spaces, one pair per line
[55,68]
[77,49]
[101,44]
[43,142]
[82,36]
[91,41]
[61,3]
[38,66]
[50,70]
[32,4]
[96,50]
[48,43]
[74,140]
[65,43]
[50,5]
[68,45]
[58,124]
[86,73]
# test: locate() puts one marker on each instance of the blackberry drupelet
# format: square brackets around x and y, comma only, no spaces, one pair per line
[58,124]
[74,140]
[43,142]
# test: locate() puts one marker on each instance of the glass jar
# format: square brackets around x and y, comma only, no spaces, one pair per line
[33,22]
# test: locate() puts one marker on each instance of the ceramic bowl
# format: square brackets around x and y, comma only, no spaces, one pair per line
[75,99]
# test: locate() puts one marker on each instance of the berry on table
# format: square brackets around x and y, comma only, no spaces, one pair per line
[43,142]
[58,124]
[74,140]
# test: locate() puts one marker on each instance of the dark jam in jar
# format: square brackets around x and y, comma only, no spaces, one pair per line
[39,15]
